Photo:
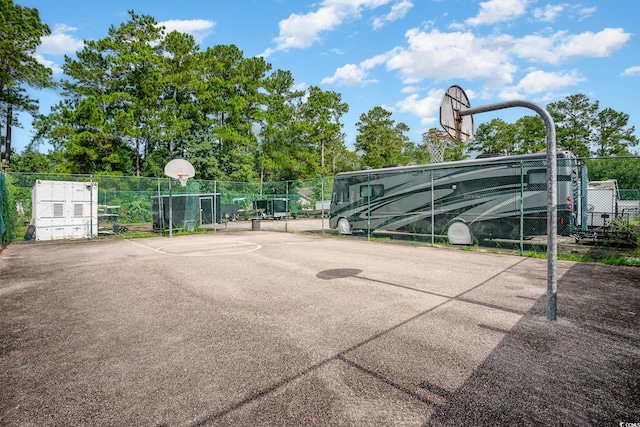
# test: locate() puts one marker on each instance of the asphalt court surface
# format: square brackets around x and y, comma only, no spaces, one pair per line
[270,328]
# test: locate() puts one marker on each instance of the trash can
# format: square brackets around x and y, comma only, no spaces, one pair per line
[255,224]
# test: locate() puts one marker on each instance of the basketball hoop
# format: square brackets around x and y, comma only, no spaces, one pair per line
[436,142]
[182,177]
[180,169]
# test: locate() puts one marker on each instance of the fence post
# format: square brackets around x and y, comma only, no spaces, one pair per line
[521,207]
[433,213]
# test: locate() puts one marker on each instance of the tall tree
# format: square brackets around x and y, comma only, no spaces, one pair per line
[133,52]
[320,114]
[179,83]
[112,83]
[381,140]
[574,118]
[495,137]
[612,137]
[530,136]
[21,32]
[278,159]
[231,104]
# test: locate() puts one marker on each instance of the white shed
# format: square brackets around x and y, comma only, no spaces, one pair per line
[64,209]
[602,202]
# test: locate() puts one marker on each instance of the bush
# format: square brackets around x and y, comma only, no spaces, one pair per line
[13,227]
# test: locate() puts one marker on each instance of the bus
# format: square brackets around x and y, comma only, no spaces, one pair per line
[502,197]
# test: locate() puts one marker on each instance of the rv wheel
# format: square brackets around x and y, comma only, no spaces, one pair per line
[343,226]
[459,234]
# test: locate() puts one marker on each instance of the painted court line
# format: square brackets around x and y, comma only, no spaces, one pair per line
[245,248]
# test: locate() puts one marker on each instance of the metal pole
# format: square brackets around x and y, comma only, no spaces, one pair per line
[286,206]
[322,199]
[552,193]
[433,214]
[160,209]
[170,210]
[215,207]
[521,207]
[369,206]
[91,207]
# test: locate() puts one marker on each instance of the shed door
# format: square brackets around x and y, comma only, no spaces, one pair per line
[206,210]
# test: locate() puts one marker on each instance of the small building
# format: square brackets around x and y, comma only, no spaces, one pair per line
[64,209]
[602,202]
[188,211]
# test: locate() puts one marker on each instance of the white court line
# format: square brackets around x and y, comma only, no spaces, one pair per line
[161,250]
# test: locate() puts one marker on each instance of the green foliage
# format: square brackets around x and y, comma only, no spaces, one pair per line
[495,137]
[625,170]
[21,32]
[135,207]
[31,161]
[13,223]
[574,118]
[381,140]
[618,260]
[611,137]
[581,127]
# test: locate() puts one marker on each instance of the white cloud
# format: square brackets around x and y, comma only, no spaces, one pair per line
[55,68]
[398,11]
[586,12]
[494,11]
[456,55]
[541,82]
[60,42]
[348,75]
[356,75]
[549,13]
[595,44]
[632,71]
[198,28]
[561,46]
[427,108]
[303,30]
[411,89]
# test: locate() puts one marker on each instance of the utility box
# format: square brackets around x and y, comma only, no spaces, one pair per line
[64,209]
[602,202]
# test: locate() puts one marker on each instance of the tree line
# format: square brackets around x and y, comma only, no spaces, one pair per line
[140,97]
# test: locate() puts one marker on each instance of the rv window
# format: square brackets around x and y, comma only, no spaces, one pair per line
[377,190]
[341,193]
[77,209]
[537,180]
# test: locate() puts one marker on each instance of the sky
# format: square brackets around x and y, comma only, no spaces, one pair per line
[398,54]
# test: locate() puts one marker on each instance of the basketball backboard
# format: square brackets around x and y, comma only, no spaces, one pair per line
[457,126]
[180,169]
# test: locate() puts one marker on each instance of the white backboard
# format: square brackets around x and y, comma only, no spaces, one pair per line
[177,168]
[458,127]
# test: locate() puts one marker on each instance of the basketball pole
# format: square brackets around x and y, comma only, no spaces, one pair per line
[170,208]
[552,193]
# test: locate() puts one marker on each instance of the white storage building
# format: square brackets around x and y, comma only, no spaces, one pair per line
[64,209]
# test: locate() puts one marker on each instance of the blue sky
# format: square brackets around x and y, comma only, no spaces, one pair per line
[399,54]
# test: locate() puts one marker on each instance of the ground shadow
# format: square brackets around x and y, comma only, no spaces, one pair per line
[579,370]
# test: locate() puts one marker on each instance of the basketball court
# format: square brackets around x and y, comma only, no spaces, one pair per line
[271,328]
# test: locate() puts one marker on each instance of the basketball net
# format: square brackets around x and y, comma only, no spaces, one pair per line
[436,141]
[182,177]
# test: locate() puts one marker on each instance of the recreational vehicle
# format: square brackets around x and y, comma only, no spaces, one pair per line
[488,198]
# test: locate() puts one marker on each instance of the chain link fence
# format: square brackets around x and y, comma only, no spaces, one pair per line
[502,203]
[145,205]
